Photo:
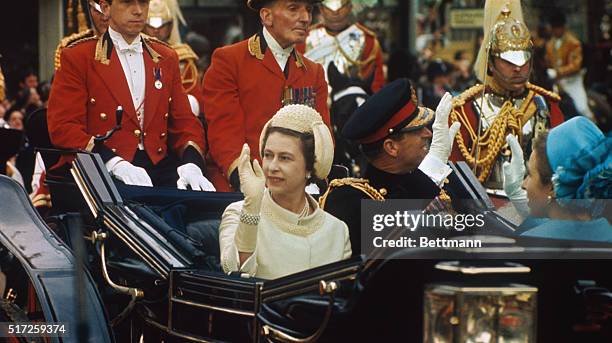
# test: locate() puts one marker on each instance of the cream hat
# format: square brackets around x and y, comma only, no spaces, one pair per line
[305,119]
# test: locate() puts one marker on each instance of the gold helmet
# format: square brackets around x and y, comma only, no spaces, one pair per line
[162,12]
[95,4]
[159,14]
[506,36]
[335,5]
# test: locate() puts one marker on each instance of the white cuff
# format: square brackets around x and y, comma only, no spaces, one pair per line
[110,164]
[433,167]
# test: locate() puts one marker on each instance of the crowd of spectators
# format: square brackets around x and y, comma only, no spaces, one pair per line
[15,110]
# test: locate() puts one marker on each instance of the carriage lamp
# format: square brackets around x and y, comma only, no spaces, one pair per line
[456,313]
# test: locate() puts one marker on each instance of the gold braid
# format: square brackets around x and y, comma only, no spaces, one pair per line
[491,141]
[69,18]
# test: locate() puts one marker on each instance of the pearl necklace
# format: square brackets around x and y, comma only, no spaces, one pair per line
[305,210]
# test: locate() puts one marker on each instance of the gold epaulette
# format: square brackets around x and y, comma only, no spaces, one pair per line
[362,185]
[155,40]
[255,47]
[70,41]
[467,95]
[365,29]
[542,91]
[184,52]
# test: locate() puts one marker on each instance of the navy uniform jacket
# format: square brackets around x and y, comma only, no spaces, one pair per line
[344,202]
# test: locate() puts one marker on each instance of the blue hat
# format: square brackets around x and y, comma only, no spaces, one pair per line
[580,157]
[391,109]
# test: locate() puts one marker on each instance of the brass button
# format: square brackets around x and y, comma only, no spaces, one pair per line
[103,116]
[166,116]
[160,150]
[170,99]
[137,133]
[163,135]
[383,191]
[92,100]
[114,150]
[144,134]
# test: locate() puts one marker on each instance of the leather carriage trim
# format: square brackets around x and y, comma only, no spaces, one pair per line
[254,45]
[69,41]
[362,185]
[551,95]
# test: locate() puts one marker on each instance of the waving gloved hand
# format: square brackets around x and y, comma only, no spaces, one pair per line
[514,173]
[443,136]
[129,173]
[252,181]
[191,175]
[252,184]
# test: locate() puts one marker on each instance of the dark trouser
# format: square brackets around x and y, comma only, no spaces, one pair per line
[162,174]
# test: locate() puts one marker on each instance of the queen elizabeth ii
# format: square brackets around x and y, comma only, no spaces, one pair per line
[279,229]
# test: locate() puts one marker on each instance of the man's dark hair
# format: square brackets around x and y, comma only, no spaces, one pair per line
[458,55]
[308,147]
[557,19]
[373,150]
[27,72]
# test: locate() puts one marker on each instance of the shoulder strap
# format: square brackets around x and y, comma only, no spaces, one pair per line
[361,185]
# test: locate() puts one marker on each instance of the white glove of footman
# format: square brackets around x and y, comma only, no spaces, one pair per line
[252,184]
[443,136]
[129,173]
[514,173]
[191,175]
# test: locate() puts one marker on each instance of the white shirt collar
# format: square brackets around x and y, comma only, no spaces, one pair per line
[281,55]
[121,44]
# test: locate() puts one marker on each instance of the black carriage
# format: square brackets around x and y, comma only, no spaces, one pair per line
[111,267]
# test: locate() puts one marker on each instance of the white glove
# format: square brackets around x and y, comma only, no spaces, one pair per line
[252,181]
[252,184]
[552,74]
[129,173]
[514,173]
[191,175]
[193,103]
[443,136]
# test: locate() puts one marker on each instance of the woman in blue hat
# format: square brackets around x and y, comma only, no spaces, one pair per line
[569,179]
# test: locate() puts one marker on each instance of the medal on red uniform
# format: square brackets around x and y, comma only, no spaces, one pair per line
[301,95]
[157,73]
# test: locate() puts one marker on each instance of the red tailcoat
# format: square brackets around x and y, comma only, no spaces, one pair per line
[89,86]
[243,89]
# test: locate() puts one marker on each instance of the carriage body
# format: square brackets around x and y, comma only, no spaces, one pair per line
[137,275]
